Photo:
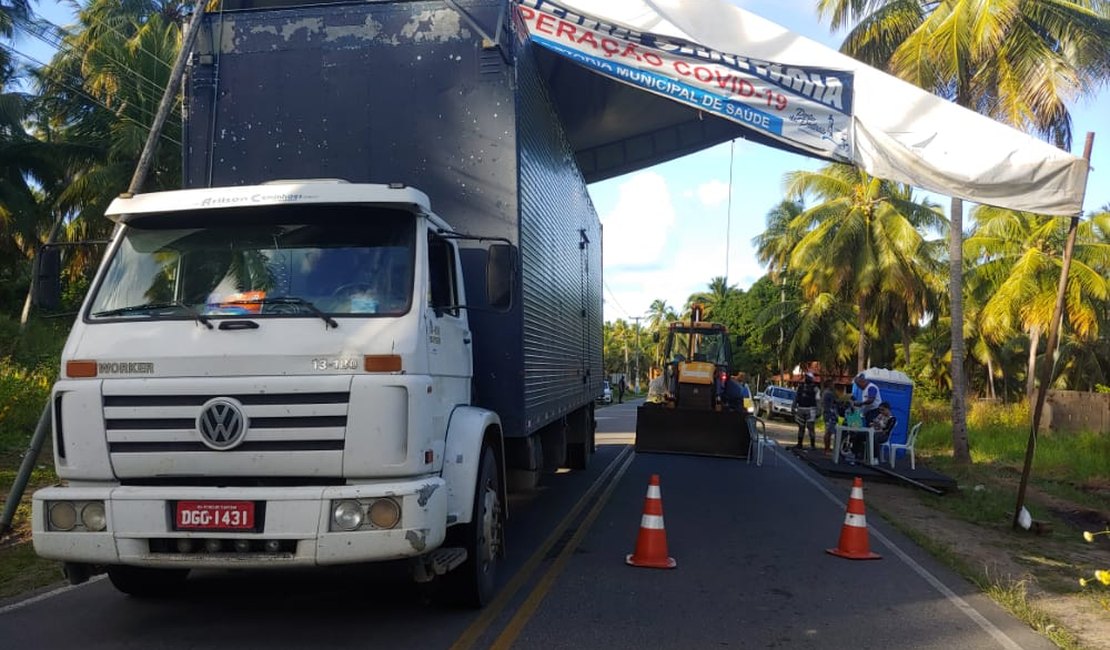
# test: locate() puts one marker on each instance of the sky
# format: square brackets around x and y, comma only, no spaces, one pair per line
[671,228]
[667,228]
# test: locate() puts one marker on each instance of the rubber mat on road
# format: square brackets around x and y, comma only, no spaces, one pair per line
[824,464]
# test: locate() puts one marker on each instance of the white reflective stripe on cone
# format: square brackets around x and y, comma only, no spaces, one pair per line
[856,521]
[654,522]
[653,492]
[857,493]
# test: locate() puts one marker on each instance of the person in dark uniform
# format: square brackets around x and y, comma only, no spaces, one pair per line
[805,411]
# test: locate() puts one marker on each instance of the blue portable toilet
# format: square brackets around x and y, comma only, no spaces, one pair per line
[897,388]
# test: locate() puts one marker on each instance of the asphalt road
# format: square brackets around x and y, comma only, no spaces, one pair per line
[752,572]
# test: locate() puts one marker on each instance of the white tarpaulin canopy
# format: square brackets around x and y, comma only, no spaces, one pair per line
[794,93]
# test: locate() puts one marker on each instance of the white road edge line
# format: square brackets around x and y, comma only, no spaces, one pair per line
[50,594]
[953,597]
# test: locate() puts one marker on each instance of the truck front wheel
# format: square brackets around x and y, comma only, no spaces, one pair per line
[474,582]
[143,582]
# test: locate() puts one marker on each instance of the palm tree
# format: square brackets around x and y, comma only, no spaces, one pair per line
[863,242]
[101,91]
[659,316]
[28,172]
[1017,61]
[773,248]
[1018,258]
[713,300]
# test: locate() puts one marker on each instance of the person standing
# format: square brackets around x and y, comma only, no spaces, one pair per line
[870,399]
[805,411]
[829,410]
[620,390]
[745,392]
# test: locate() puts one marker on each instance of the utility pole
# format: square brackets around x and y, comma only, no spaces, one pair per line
[1048,368]
[625,337]
[637,375]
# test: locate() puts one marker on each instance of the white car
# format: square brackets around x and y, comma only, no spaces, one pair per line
[606,394]
[776,400]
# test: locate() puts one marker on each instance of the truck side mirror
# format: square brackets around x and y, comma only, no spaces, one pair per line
[500,276]
[46,291]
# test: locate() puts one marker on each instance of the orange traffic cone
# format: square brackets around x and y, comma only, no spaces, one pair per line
[853,534]
[651,545]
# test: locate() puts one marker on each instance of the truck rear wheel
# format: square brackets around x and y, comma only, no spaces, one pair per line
[583,429]
[144,582]
[474,582]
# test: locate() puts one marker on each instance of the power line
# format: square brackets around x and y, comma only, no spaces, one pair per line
[60,45]
[615,301]
[39,19]
[80,90]
[145,112]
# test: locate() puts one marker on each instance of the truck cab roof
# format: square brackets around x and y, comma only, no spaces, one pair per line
[128,209]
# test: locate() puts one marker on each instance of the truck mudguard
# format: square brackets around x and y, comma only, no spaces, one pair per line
[463,453]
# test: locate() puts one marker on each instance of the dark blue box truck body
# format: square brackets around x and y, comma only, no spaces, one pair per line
[410,92]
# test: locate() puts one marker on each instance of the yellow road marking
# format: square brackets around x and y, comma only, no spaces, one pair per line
[532,603]
[492,611]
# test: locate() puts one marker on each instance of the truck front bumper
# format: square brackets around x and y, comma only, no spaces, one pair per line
[297,520]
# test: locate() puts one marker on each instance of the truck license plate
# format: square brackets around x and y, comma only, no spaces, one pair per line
[214,515]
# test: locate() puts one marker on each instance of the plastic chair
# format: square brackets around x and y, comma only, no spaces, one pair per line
[893,448]
[756,441]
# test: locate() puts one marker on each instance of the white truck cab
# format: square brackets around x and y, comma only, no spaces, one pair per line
[274,375]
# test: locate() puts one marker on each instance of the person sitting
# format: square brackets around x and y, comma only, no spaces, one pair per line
[657,389]
[883,426]
[733,395]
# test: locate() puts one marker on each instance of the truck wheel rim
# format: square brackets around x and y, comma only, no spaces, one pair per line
[491,526]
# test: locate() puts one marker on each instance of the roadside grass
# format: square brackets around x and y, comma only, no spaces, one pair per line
[28,368]
[1011,595]
[1069,491]
[22,571]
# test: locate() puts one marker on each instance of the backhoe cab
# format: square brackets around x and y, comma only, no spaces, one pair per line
[694,417]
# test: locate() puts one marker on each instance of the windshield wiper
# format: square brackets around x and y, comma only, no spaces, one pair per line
[288,300]
[154,306]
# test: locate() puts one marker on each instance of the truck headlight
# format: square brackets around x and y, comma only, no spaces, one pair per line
[93,517]
[346,515]
[385,513]
[62,515]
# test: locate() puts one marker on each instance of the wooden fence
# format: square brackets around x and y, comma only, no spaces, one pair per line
[1071,410]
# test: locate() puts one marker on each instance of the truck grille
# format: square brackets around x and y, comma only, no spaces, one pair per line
[277,422]
[275,427]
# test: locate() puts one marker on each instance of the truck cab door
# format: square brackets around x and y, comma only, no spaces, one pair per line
[449,340]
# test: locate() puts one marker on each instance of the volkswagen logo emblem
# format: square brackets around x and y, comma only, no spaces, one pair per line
[222,423]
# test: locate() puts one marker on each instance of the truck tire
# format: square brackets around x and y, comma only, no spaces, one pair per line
[525,480]
[474,582]
[144,582]
[578,453]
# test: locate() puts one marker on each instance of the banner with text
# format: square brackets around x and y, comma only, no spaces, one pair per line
[807,107]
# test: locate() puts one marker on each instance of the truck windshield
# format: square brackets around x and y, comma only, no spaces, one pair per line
[276,261]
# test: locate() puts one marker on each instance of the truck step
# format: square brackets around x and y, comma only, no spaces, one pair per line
[438,562]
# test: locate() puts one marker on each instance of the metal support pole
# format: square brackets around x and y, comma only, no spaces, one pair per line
[25,469]
[1049,365]
[166,104]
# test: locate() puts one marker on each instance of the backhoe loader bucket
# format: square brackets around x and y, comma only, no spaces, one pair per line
[660,429]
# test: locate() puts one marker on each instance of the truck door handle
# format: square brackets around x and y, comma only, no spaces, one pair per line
[238,325]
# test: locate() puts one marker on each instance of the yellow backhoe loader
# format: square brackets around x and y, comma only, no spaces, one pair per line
[695,417]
